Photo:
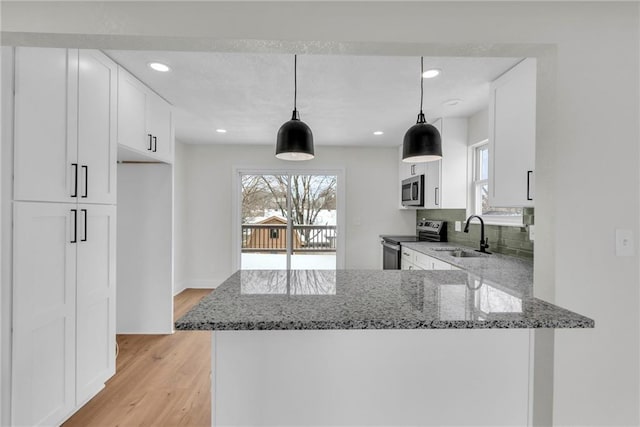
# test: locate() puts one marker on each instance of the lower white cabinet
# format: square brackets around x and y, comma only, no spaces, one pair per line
[95,299]
[63,308]
[414,260]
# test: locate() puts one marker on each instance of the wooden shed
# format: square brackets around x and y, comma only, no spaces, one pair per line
[275,237]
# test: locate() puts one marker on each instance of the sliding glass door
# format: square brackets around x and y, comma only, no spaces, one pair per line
[288,221]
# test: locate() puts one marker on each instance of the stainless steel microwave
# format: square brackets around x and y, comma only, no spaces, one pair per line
[413,191]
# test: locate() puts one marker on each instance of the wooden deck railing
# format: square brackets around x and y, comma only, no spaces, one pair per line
[273,238]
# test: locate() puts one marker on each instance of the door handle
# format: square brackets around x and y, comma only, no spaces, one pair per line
[84,211]
[150,141]
[529,185]
[74,212]
[435,195]
[86,181]
[155,144]
[75,179]
[413,169]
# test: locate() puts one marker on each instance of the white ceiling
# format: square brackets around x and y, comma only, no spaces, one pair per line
[343,98]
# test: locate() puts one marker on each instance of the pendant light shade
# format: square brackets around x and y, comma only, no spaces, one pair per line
[422,142]
[295,140]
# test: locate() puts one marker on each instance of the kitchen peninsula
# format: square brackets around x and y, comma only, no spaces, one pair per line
[364,347]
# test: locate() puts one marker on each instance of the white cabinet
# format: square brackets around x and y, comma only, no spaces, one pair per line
[145,121]
[64,308]
[160,126]
[95,304]
[97,149]
[414,260]
[44,313]
[446,179]
[45,152]
[64,231]
[132,105]
[445,183]
[65,126]
[512,136]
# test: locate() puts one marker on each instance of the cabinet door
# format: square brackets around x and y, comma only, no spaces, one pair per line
[44,268]
[432,191]
[132,104]
[96,337]
[160,126]
[97,147]
[512,135]
[45,141]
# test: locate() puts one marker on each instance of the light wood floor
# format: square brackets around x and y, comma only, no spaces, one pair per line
[160,380]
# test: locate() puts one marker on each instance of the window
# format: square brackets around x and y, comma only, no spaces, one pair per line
[274,233]
[480,191]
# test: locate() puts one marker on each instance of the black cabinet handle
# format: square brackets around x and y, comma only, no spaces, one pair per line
[150,141]
[86,181]
[74,212]
[75,179]
[84,211]
[529,185]
[155,144]
[436,190]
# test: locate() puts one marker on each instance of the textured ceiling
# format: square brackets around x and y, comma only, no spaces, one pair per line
[343,98]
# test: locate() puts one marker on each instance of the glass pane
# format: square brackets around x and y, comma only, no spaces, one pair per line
[314,214]
[483,162]
[490,210]
[264,222]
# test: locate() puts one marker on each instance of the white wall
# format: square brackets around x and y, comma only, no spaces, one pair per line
[371,181]
[180,209]
[144,303]
[587,156]
[478,129]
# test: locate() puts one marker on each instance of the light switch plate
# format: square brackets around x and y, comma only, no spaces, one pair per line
[625,244]
[458,226]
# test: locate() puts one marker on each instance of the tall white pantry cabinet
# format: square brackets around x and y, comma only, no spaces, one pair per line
[64,231]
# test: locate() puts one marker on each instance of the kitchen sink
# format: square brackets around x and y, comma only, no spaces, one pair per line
[459,252]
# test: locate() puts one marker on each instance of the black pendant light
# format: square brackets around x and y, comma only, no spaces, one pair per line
[295,140]
[422,142]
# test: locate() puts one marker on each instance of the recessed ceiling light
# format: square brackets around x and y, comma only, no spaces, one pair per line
[159,67]
[378,132]
[451,102]
[429,74]
[221,130]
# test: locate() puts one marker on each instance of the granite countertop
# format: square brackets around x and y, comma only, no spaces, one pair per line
[507,271]
[381,299]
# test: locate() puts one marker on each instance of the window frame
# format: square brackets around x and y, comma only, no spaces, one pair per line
[474,199]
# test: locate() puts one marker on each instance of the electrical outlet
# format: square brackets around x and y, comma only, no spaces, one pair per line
[625,245]
[458,226]
[532,232]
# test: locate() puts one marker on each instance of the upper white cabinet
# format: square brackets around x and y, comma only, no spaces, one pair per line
[512,136]
[46,147]
[446,179]
[65,126]
[145,122]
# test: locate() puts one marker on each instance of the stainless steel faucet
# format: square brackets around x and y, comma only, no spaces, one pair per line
[484,243]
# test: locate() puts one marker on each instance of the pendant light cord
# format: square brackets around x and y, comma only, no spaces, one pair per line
[421,82]
[295,81]
[421,118]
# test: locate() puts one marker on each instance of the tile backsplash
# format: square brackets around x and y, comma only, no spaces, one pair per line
[502,239]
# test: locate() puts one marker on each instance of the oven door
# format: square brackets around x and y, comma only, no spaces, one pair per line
[390,256]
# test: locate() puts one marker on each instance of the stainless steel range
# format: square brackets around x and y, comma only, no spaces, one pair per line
[427,231]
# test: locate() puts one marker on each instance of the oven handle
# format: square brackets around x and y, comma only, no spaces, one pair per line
[387,245]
